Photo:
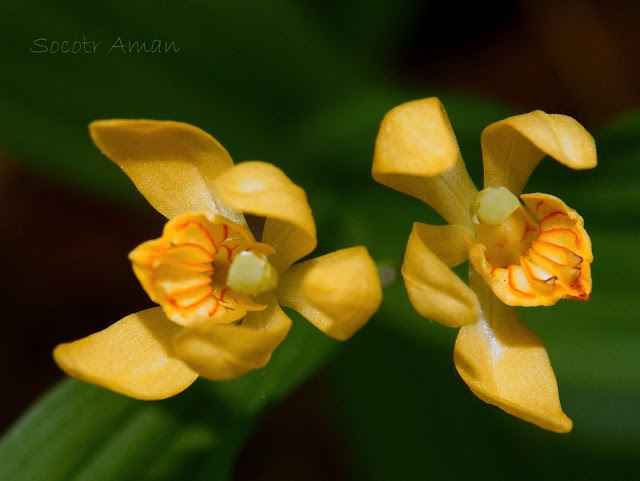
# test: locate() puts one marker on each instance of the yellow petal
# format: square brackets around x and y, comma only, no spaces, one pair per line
[513,147]
[417,153]
[337,292]
[172,164]
[505,364]
[220,352]
[445,241]
[262,189]
[131,357]
[435,291]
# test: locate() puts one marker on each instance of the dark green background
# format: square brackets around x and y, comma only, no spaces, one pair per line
[303,85]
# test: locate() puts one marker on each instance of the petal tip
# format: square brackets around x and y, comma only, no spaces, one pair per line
[222,352]
[528,138]
[129,357]
[262,189]
[435,291]
[347,290]
[563,425]
[101,126]
[337,292]
[505,364]
[415,138]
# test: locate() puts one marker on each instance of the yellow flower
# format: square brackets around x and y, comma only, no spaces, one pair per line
[519,255]
[219,290]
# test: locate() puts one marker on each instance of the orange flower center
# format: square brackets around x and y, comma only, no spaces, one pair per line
[538,254]
[187,270]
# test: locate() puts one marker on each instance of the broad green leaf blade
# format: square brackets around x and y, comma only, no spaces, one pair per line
[60,432]
[82,432]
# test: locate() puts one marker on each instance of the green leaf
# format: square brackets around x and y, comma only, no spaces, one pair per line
[82,432]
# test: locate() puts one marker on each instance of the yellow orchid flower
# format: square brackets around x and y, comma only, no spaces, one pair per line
[219,290]
[527,254]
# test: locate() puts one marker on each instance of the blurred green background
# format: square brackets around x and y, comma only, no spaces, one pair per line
[304,85]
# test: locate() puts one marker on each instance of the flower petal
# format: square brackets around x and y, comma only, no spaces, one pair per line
[505,364]
[338,292]
[417,153]
[513,147]
[445,241]
[220,352]
[131,357]
[172,164]
[435,291]
[262,189]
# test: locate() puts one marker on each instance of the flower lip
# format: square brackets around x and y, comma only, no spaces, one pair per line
[539,255]
[186,270]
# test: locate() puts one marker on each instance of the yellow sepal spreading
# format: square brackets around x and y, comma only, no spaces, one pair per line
[337,292]
[528,254]
[435,291]
[504,363]
[210,277]
[133,357]
[173,164]
[223,352]
[420,134]
[417,153]
[513,147]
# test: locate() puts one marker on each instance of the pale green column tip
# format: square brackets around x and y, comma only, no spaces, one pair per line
[251,273]
[494,205]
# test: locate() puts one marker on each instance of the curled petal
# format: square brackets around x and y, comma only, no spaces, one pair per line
[435,291]
[172,164]
[132,357]
[262,189]
[445,241]
[220,352]
[337,292]
[417,153]
[513,147]
[505,364]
